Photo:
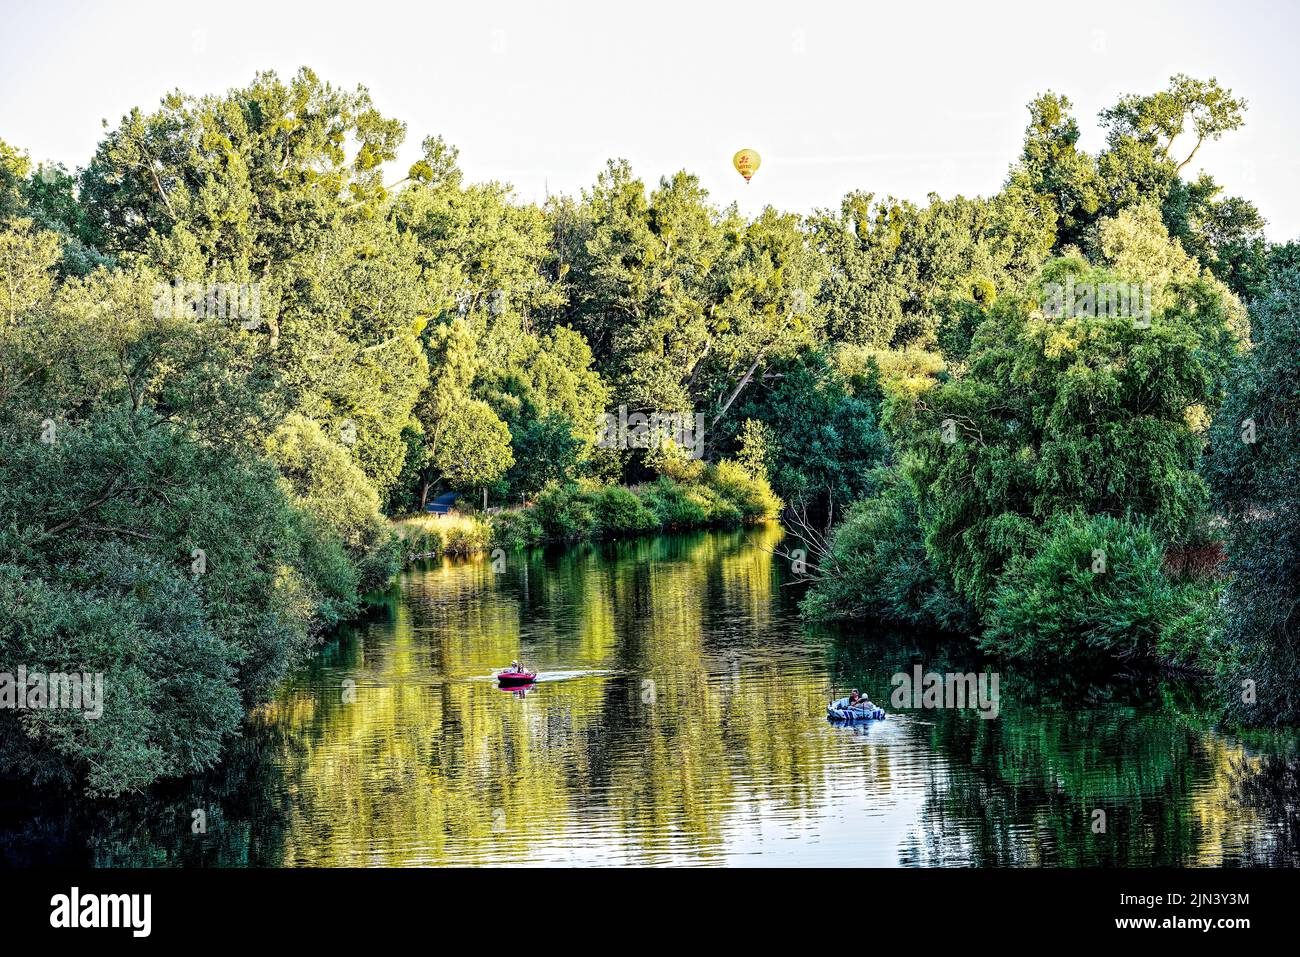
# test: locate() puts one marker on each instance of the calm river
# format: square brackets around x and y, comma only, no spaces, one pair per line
[681,720]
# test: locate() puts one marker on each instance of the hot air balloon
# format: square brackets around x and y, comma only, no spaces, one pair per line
[746,163]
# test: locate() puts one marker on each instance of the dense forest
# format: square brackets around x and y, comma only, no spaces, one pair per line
[236,346]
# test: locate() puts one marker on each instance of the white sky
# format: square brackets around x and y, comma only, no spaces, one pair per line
[900,97]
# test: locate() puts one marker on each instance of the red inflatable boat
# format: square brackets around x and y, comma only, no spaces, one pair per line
[513,679]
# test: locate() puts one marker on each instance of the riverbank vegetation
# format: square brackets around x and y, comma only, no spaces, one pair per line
[237,342]
[718,496]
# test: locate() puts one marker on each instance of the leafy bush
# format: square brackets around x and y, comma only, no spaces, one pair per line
[673,505]
[877,565]
[107,583]
[1051,605]
[619,511]
[565,513]
[170,692]
[1062,414]
[755,447]
[516,528]
[380,563]
[888,372]
[339,496]
[332,579]
[750,493]
[1190,636]
[720,509]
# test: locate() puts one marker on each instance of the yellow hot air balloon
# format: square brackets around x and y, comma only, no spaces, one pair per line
[746,163]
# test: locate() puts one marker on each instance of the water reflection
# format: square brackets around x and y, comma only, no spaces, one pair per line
[679,720]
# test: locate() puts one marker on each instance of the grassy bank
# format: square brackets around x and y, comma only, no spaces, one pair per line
[724,496]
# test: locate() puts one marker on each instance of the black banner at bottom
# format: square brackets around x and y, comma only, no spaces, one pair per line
[918,906]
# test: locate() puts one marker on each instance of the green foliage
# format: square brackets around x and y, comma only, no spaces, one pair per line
[47,198]
[475,446]
[756,446]
[897,374]
[1135,243]
[641,282]
[132,455]
[717,508]
[544,449]
[27,258]
[431,536]
[516,528]
[1053,171]
[1191,634]
[566,513]
[479,251]
[1074,191]
[876,566]
[545,390]
[1092,588]
[749,492]
[1062,414]
[15,166]
[821,440]
[280,184]
[335,492]
[462,442]
[1257,488]
[618,511]
[671,461]
[170,688]
[684,304]
[675,506]
[724,495]
[102,581]
[897,274]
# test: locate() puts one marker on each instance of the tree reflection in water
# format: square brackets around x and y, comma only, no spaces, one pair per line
[679,719]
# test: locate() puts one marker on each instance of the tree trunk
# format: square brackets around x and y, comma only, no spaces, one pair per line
[689,383]
[740,386]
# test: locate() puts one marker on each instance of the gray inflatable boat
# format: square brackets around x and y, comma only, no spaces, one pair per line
[841,711]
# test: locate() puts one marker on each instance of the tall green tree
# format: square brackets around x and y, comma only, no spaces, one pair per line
[1150,141]
[462,441]
[279,185]
[141,535]
[1094,414]
[543,386]
[1055,172]
[898,275]
[641,282]
[1254,469]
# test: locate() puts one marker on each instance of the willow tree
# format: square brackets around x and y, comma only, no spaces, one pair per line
[1092,413]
